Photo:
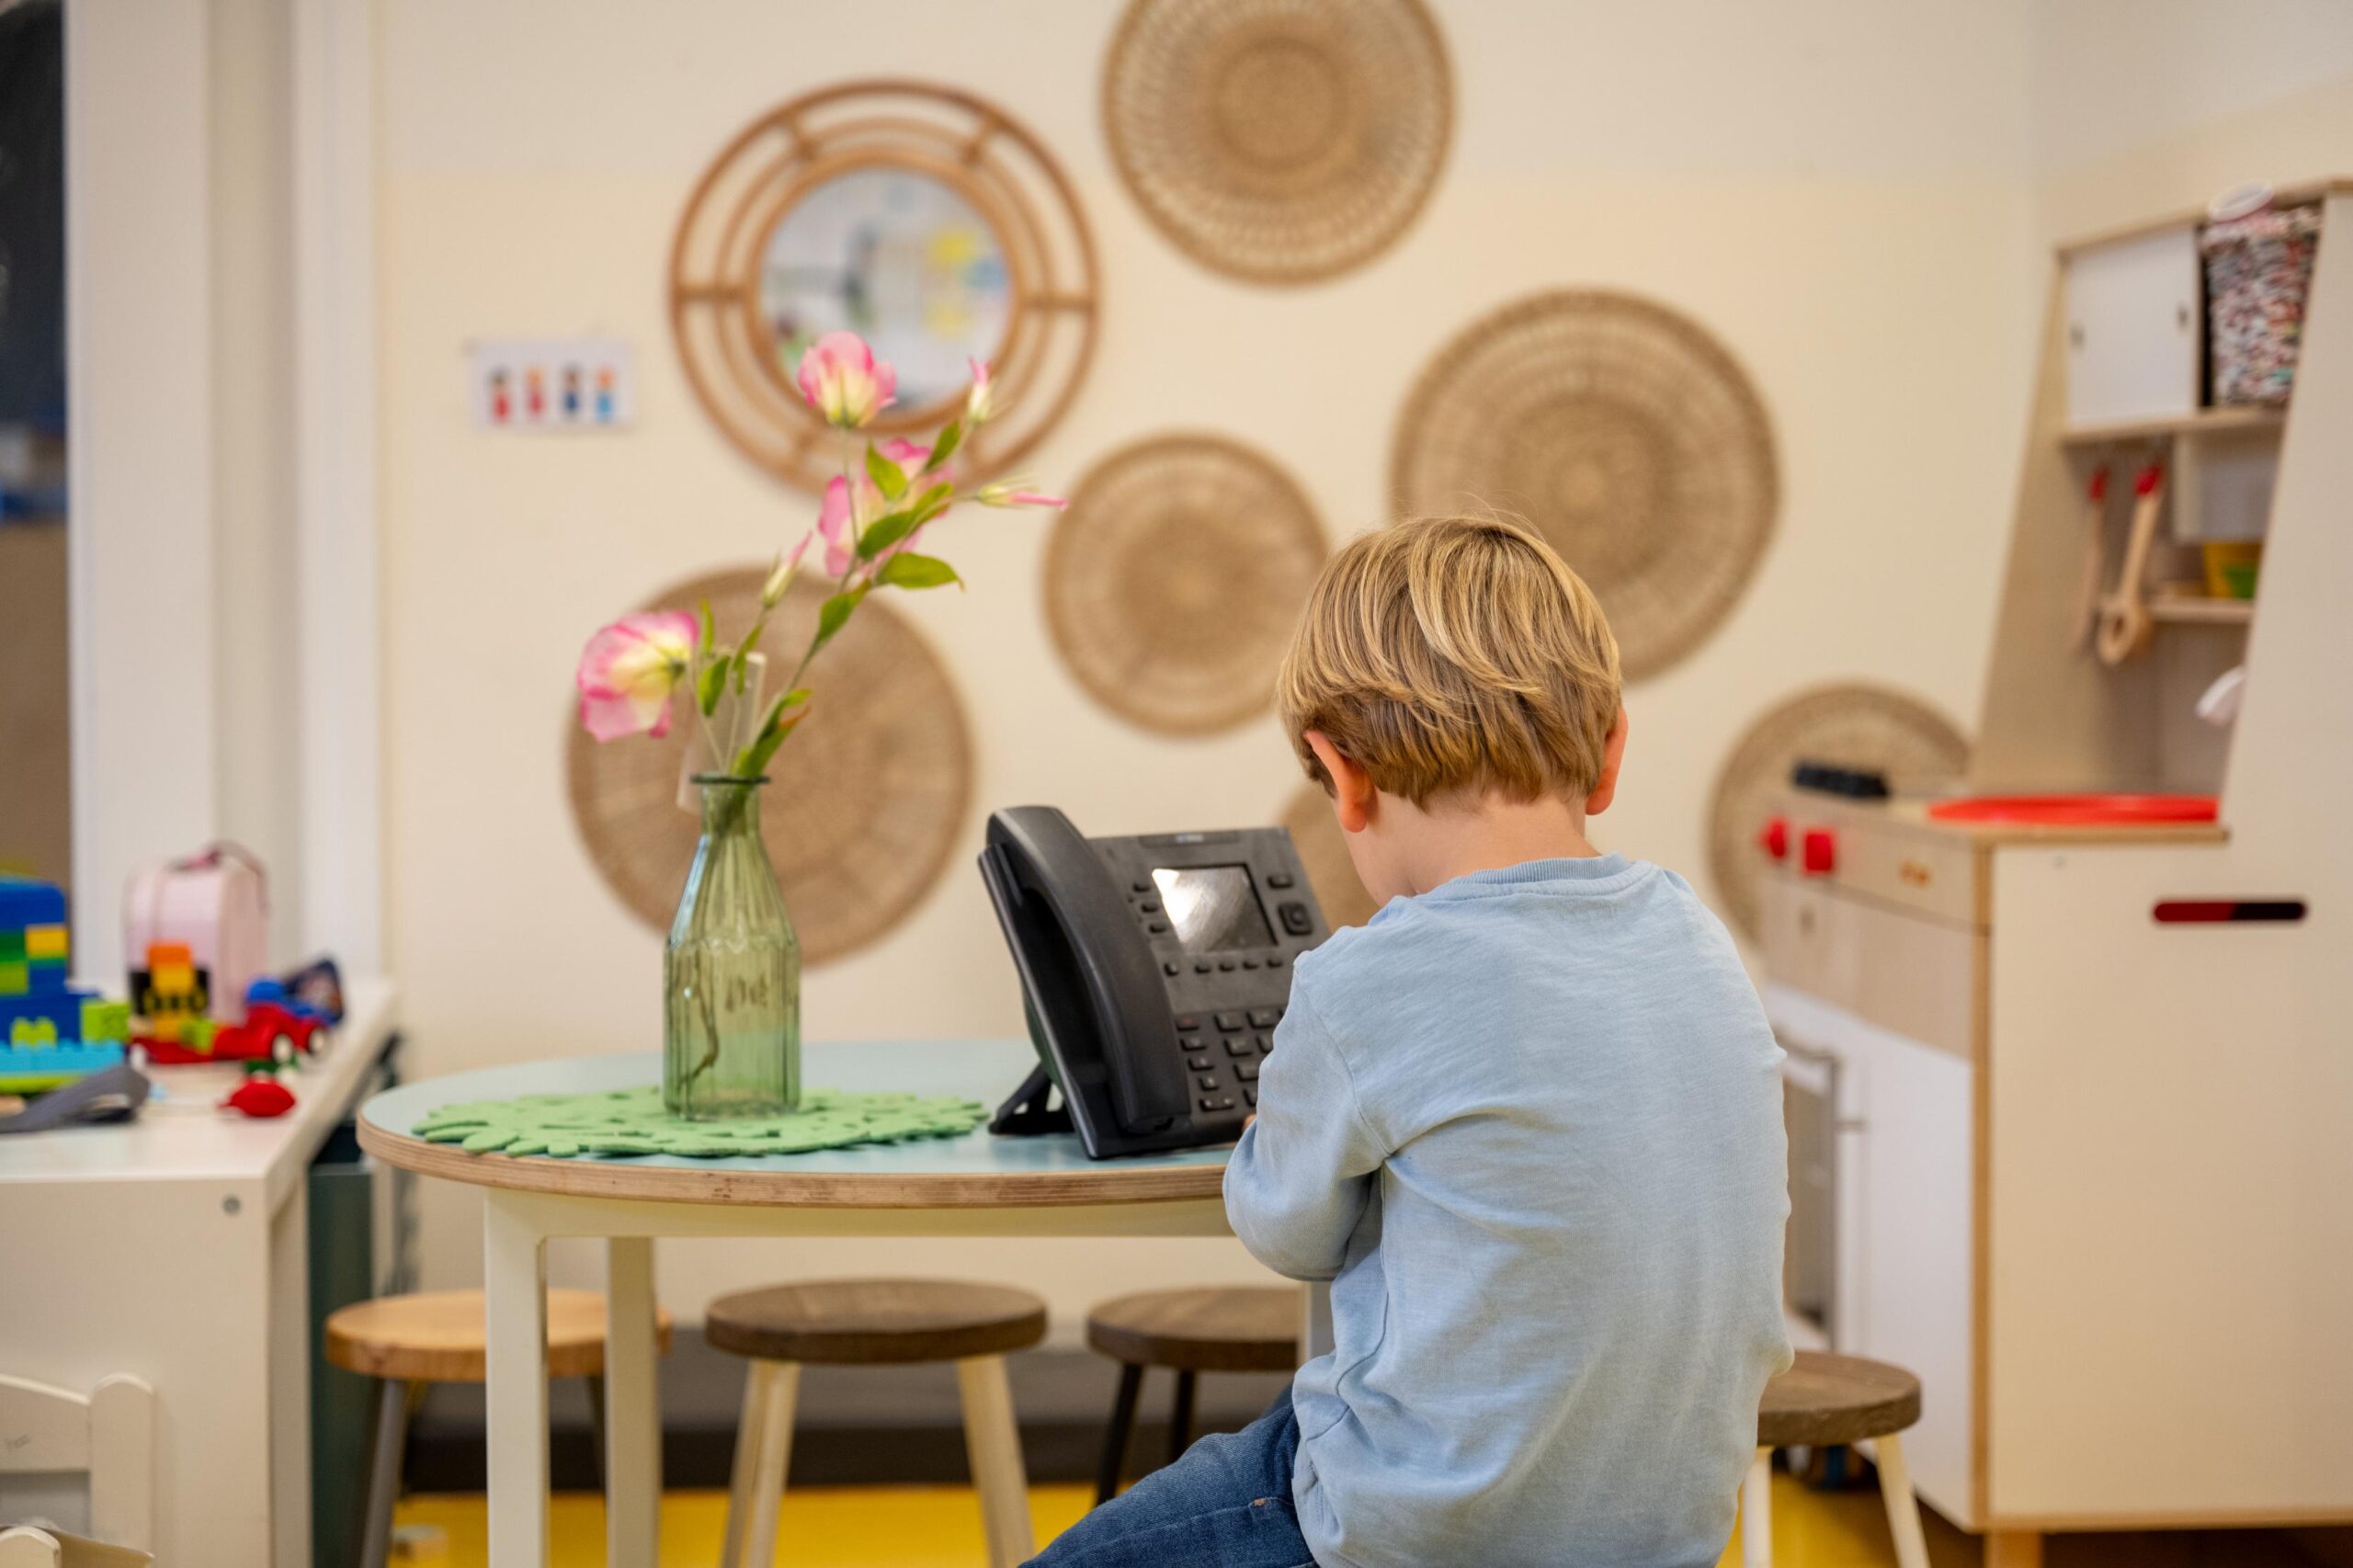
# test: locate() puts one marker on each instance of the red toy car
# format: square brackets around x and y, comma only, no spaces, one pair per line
[271,1032]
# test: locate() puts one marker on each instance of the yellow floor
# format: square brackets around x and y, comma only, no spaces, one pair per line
[939,1527]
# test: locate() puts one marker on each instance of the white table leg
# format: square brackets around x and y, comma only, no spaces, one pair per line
[632,1417]
[1316,1334]
[514,1301]
[1756,1513]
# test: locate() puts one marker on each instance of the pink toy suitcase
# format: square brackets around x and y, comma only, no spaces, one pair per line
[216,905]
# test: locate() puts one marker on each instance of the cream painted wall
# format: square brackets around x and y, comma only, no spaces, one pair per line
[1840,189]
[2148,106]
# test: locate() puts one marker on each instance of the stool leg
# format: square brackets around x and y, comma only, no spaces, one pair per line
[994,1444]
[1180,1417]
[601,1453]
[1903,1507]
[1756,1513]
[763,1454]
[1115,1436]
[387,1431]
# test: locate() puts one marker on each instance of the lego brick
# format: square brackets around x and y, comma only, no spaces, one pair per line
[45,942]
[45,975]
[104,1021]
[31,1071]
[12,943]
[16,978]
[24,901]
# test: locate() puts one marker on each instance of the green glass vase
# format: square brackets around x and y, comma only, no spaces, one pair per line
[730,1020]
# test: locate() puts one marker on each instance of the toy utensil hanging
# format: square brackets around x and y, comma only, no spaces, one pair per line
[2124,623]
[2095,558]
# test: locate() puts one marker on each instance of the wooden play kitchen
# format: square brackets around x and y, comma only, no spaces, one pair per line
[2069,1088]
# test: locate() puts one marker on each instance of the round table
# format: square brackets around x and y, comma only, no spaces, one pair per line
[978,1184]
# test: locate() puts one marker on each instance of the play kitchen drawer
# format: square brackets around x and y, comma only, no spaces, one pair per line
[1862,848]
[1913,974]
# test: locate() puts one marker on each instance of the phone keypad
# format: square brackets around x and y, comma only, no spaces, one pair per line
[1217,1075]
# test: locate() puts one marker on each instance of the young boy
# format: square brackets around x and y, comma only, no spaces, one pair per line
[1527,1122]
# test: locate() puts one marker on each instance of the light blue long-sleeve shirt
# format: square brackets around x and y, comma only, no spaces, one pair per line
[1528,1125]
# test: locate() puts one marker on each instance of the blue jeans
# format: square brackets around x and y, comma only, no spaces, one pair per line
[1225,1504]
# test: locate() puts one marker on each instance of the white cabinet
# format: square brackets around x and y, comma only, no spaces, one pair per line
[2135,327]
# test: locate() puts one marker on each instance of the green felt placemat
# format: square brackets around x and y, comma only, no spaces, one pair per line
[633,1122]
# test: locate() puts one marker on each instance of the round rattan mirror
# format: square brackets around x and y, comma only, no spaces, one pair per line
[1280,141]
[863,803]
[1625,433]
[924,219]
[1852,725]
[1173,580]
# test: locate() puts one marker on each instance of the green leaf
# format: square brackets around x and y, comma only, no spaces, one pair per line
[752,760]
[709,632]
[709,683]
[908,570]
[888,476]
[945,447]
[886,531]
[935,501]
[835,612]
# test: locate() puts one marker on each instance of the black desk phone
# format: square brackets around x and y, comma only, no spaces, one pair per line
[1153,971]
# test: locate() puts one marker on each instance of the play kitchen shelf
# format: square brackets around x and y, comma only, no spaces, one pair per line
[2072,1076]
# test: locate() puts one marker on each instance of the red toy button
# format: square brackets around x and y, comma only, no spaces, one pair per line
[1775,839]
[260,1097]
[1821,852]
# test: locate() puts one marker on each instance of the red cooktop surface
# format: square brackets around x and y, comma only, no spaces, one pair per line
[2076,811]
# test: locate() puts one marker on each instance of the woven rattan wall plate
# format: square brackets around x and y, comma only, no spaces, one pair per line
[1625,434]
[1280,141]
[1174,579]
[1322,848]
[928,221]
[1867,727]
[864,801]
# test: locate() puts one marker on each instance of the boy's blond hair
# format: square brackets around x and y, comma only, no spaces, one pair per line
[1449,655]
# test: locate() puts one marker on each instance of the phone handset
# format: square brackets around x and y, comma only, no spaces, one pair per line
[1090,971]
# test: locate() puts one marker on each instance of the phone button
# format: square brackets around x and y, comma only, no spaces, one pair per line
[1199,1064]
[1141,886]
[1265,1045]
[1265,1017]
[1230,1022]
[1252,1095]
[1225,963]
[1169,968]
[1222,1102]
[1249,963]
[1207,1080]
[1296,920]
[1274,961]
[1188,1023]
[1237,1046]
[1247,1071]
[1158,928]
[1278,878]
[1201,966]
[1190,1041]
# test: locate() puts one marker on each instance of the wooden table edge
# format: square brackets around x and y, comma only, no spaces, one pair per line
[725,1185]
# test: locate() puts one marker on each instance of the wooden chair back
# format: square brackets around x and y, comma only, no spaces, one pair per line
[108,1434]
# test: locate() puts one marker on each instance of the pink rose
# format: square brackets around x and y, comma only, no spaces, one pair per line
[628,670]
[844,382]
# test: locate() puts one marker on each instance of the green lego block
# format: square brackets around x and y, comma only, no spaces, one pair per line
[12,943]
[106,1022]
[16,978]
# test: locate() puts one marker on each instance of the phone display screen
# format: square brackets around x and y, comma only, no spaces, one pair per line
[1213,908]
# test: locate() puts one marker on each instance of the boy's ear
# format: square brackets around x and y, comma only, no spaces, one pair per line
[1613,755]
[1354,799]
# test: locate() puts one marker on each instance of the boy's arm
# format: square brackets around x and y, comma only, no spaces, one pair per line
[1298,1180]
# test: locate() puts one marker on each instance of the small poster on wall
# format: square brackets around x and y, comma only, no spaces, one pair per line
[551,384]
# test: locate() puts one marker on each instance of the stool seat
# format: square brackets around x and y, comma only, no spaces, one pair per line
[1827,1400]
[436,1337]
[1242,1329]
[872,1322]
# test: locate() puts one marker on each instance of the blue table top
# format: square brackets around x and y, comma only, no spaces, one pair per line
[1049,1168]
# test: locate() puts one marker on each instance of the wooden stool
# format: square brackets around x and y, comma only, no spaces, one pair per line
[1236,1330]
[1823,1401]
[407,1342]
[875,1322]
